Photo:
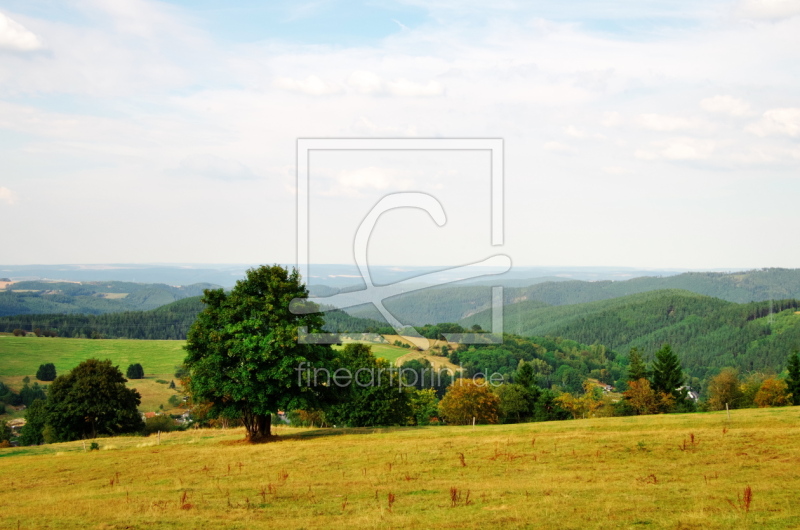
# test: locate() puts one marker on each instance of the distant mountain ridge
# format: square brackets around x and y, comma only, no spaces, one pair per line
[92,298]
[453,303]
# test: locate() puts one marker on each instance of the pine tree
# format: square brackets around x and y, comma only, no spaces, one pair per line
[637,369]
[793,381]
[667,372]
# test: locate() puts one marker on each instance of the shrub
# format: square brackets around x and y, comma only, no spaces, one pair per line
[135,371]
[46,372]
[20,333]
[161,422]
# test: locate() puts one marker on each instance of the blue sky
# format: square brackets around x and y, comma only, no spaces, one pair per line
[646,134]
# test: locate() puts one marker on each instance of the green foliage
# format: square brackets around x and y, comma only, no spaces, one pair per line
[367,393]
[160,422]
[31,392]
[35,420]
[424,406]
[135,371]
[169,322]
[517,402]
[46,372]
[637,369]
[709,333]
[793,380]
[5,433]
[90,297]
[91,400]
[242,352]
[667,373]
[8,396]
[420,374]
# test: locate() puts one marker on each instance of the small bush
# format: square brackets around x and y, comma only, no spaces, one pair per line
[46,372]
[94,446]
[135,371]
[162,423]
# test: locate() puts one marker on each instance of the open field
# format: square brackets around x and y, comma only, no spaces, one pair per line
[21,356]
[610,472]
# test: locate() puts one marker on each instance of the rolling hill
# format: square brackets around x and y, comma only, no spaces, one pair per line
[707,333]
[91,298]
[451,304]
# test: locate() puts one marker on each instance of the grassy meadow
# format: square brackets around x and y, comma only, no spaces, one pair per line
[668,471]
[21,356]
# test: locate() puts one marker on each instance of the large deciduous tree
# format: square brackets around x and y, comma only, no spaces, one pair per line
[725,389]
[243,353]
[90,400]
[467,400]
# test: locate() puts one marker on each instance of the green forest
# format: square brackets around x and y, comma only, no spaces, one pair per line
[91,298]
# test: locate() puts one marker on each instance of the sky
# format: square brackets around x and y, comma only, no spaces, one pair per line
[643,134]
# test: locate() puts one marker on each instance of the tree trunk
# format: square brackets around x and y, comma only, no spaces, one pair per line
[258,426]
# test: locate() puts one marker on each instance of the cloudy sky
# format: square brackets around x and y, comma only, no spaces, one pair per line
[645,134]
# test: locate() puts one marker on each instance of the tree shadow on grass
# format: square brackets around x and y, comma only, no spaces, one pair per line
[319,433]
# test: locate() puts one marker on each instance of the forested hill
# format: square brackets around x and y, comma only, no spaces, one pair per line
[707,333]
[91,298]
[450,304]
[168,322]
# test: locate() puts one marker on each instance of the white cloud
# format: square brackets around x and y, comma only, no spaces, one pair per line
[15,37]
[726,105]
[311,85]
[8,196]
[777,121]
[767,9]
[406,88]
[611,119]
[678,149]
[556,147]
[615,170]
[365,82]
[353,182]
[667,123]
[215,167]
[369,83]
[571,130]
[365,126]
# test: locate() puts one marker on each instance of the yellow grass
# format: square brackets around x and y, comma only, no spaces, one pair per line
[608,472]
[437,362]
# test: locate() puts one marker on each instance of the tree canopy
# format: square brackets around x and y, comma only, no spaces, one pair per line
[46,372]
[90,400]
[243,353]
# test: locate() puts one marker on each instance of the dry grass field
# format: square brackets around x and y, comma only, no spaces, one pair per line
[670,471]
